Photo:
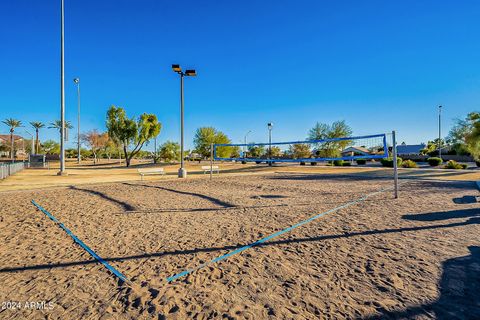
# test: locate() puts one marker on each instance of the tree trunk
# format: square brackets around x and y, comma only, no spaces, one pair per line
[36,141]
[11,145]
[127,159]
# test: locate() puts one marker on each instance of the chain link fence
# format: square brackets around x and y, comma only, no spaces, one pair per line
[7,169]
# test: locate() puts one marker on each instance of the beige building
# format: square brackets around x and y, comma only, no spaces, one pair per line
[19,142]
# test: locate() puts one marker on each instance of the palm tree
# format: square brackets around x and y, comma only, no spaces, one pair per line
[12,123]
[57,124]
[37,125]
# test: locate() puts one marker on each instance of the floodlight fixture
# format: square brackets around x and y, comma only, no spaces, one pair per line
[176,68]
[190,73]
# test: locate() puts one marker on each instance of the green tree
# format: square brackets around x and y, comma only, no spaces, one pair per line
[300,151]
[51,147]
[472,138]
[169,151]
[256,151]
[338,129]
[462,137]
[37,125]
[12,124]
[130,133]
[205,136]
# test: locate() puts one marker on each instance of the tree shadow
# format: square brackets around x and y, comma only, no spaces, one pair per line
[459,292]
[444,215]
[126,206]
[465,200]
[199,195]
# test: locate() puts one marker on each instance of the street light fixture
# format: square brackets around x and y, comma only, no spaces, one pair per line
[182,172]
[270,127]
[77,82]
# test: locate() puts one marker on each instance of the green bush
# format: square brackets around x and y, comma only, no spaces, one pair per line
[388,162]
[313,163]
[452,164]
[361,161]
[346,164]
[409,164]
[302,163]
[434,161]
[338,163]
[477,163]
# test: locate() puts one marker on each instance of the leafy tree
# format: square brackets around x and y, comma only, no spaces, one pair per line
[205,136]
[131,133]
[338,129]
[472,138]
[300,151]
[37,125]
[96,141]
[256,151]
[12,124]
[51,147]
[462,136]
[169,151]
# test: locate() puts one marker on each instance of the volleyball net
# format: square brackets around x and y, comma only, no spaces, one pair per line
[321,150]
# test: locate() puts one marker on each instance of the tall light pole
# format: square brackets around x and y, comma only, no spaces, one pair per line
[182,172]
[440,132]
[62,90]
[77,82]
[245,142]
[33,146]
[270,127]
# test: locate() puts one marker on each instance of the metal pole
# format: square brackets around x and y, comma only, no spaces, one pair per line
[211,161]
[62,91]
[395,165]
[78,123]
[155,150]
[270,146]
[182,173]
[440,132]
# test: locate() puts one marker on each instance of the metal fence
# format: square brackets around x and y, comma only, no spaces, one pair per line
[7,169]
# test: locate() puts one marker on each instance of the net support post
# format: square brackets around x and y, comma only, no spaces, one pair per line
[395,165]
[211,161]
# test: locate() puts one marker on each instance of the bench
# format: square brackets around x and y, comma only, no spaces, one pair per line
[207,169]
[150,171]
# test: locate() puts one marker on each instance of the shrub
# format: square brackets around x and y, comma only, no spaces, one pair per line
[346,164]
[313,163]
[338,163]
[409,164]
[477,163]
[388,162]
[302,163]
[361,161]
[258,162]
[244,162]
[434,161]
[452,164]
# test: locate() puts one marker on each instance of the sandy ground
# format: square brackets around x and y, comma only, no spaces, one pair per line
[111,171]
[414,257]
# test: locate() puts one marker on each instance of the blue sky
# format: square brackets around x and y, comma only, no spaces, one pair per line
[377,65]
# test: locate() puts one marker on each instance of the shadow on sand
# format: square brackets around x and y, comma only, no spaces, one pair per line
[199,195]
[126,206]
[459,292]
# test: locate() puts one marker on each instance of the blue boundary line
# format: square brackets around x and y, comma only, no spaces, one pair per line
[276,234]
[117,273]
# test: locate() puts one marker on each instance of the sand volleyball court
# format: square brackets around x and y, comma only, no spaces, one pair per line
[376,258]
